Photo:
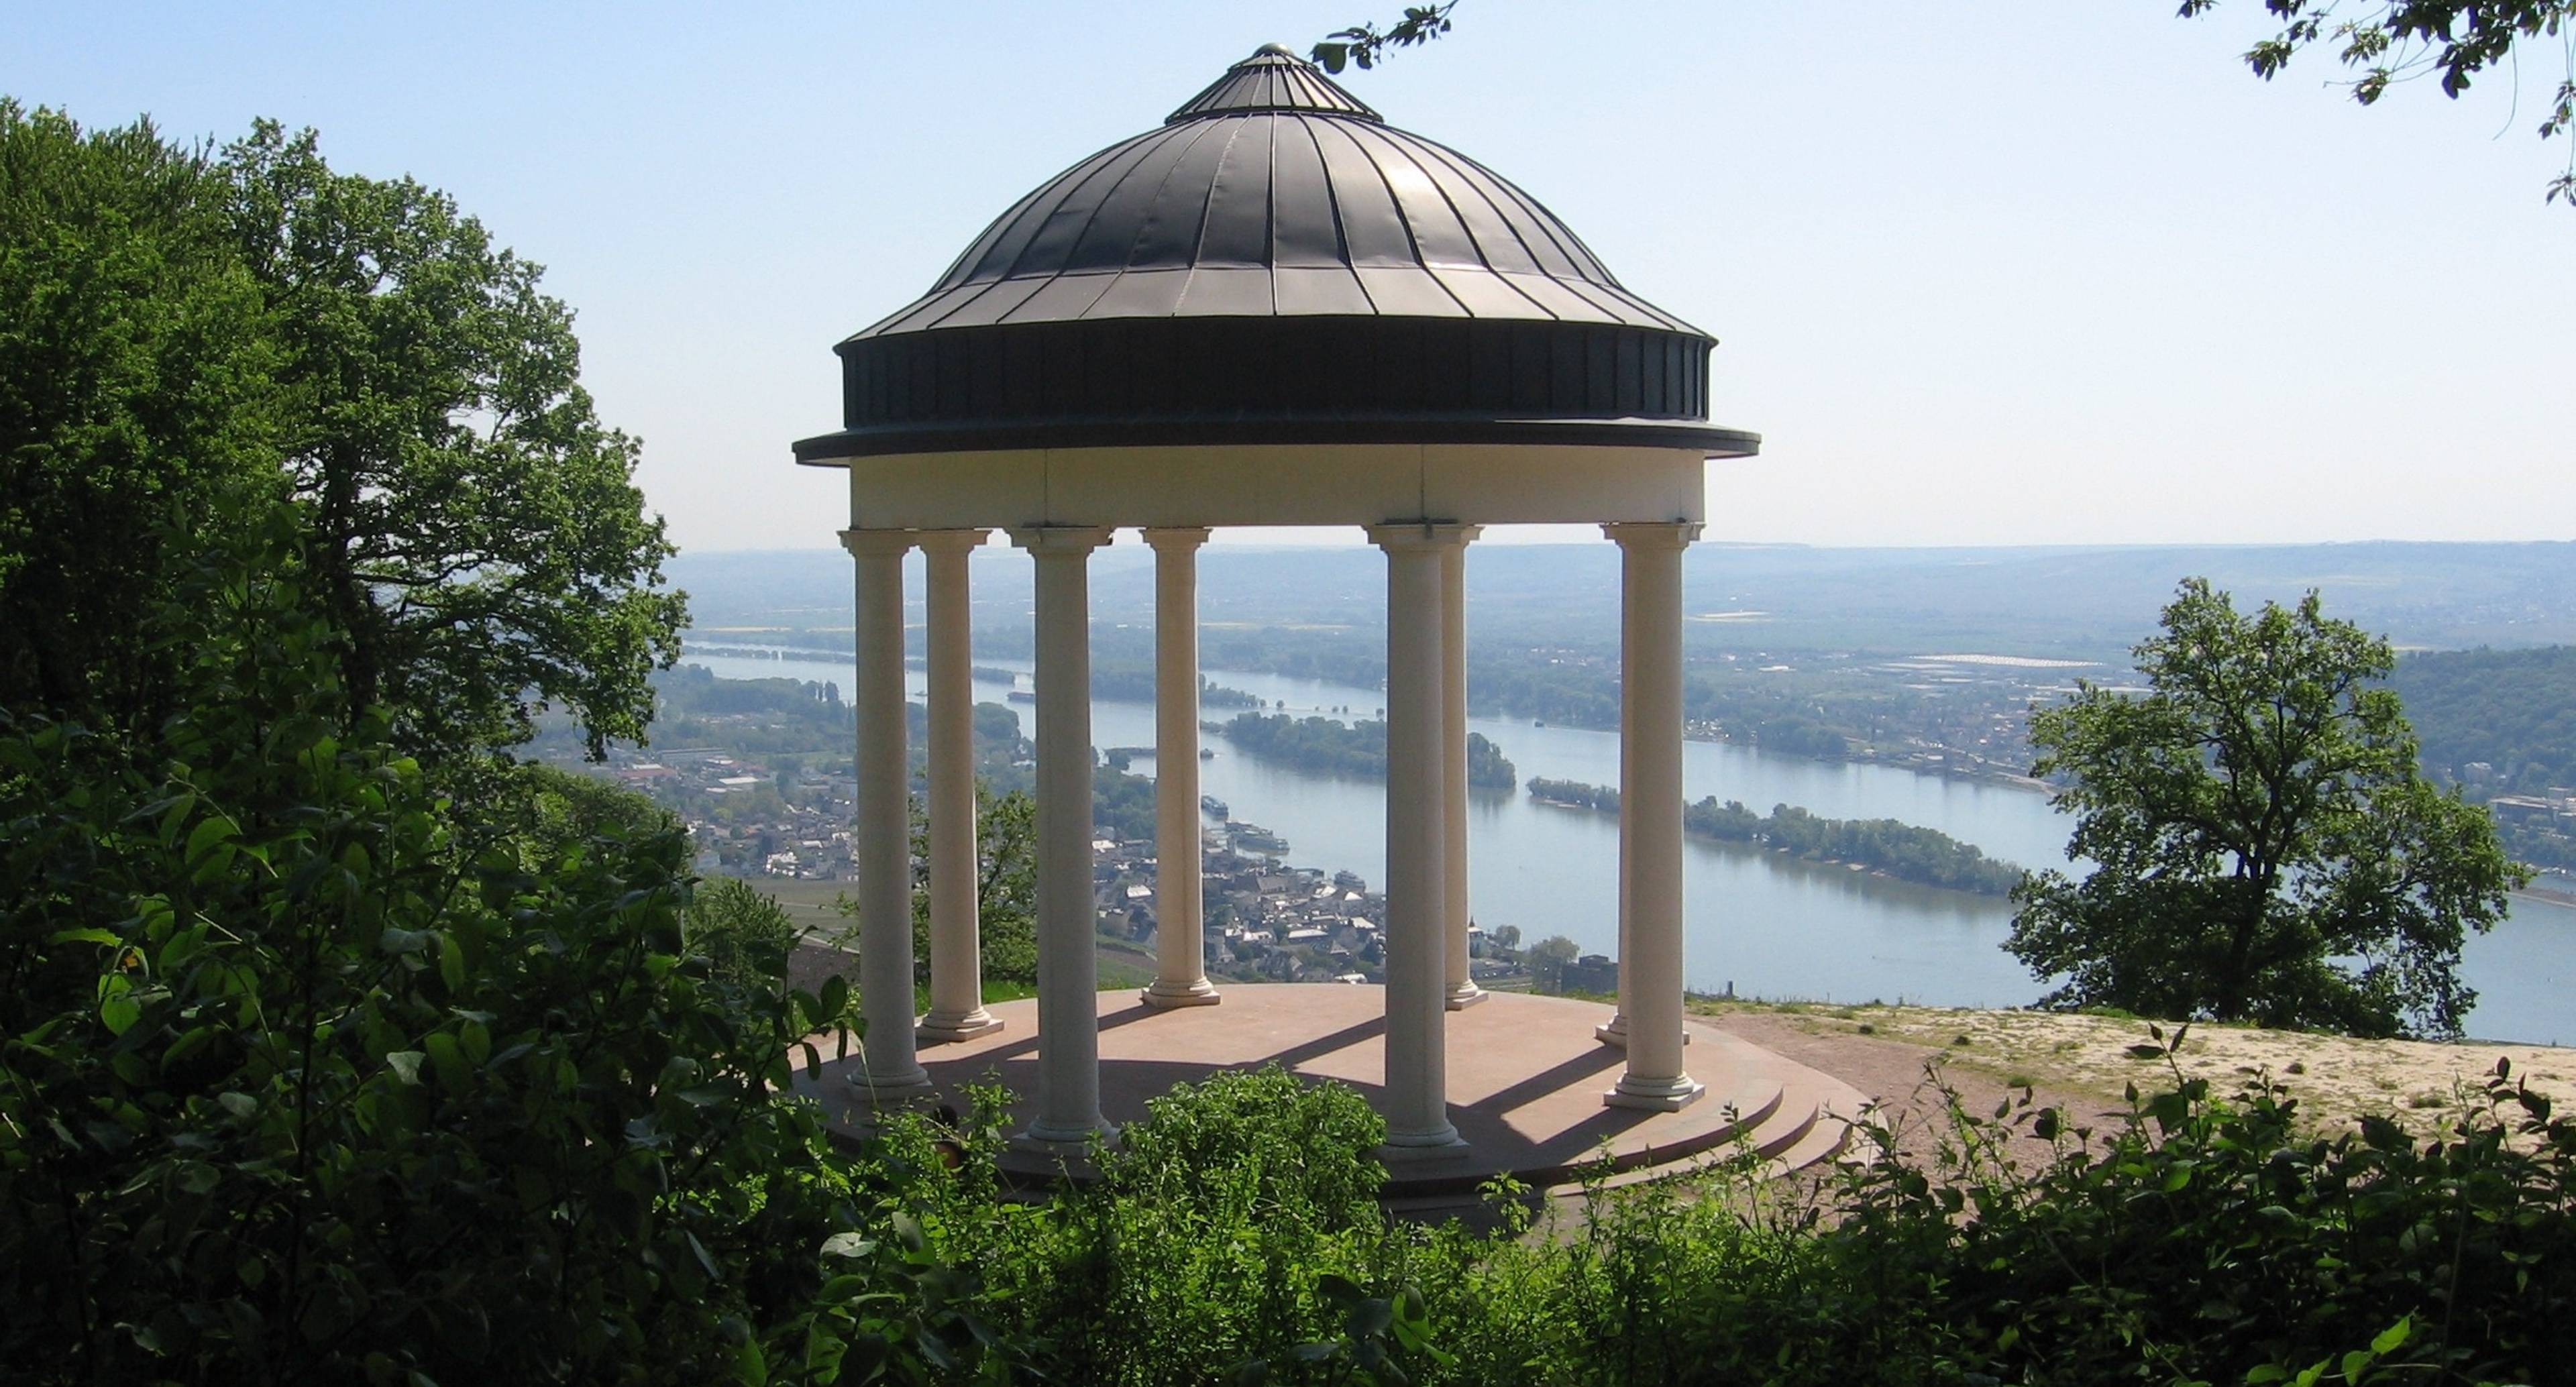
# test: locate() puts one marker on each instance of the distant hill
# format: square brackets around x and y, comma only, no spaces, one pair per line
[2073,602]
[2511,710]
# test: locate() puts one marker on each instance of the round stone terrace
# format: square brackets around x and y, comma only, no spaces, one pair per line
[1526,1078]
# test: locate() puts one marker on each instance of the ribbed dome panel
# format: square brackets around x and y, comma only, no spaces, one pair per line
[1274,261]
[1272,79]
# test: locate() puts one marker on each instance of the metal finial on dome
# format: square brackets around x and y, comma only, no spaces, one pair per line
[1273,79]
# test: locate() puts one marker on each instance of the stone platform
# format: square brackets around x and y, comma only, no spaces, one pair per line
[1525,1079]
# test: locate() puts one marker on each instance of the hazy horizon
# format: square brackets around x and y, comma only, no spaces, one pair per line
[2066,275]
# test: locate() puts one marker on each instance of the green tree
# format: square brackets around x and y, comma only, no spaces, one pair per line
[2267,847]
[134,379]
[743,933]
[1548,959]
[476,531]
[178,324]
[294,1086]
[1006,887]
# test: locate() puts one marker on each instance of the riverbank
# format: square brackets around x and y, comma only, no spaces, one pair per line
[1944,764]
[1883,847]
[2557,888]
[1774,923]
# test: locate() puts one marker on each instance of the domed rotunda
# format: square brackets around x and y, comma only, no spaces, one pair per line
[1272,309]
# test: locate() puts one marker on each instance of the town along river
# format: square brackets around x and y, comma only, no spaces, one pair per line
[1770,925]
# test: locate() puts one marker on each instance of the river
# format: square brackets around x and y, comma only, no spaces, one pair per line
[1768,925]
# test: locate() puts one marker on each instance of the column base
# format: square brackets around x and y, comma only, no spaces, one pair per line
[884,1089]
[1464,995]
[1655,1095]
[1066,1143]
[1614,1033]
[1415,1151]
[941,1028]
[1193,994]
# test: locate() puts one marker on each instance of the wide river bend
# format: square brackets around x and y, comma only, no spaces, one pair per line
[1768,925]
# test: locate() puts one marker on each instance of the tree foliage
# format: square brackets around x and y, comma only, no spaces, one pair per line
[2266,847]
[304,1077]
[2385,43]
[2502,722]
[2182,1237]
[1365,45]
[1352,748]
[318,1064]
[1548,959]
[182,323]
[1006,887]
[135,381]
[1908,852]
[2515,710]
[475,527]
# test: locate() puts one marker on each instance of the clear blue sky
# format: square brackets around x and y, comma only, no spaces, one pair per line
[1993,272]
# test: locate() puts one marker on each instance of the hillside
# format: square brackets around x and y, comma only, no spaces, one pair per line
[2513,710]
[2502,723]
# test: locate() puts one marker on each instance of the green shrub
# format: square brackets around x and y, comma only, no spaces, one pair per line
[294,1087]
[2203,1240]
[744,935]
[1234,1230]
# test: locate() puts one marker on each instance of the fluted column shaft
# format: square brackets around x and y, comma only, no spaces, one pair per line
[1180,950]
[1417,1116]
[1650,814]
[956,963]
[1615,1030]
[884,831]
[1068,1107]
[1459,970]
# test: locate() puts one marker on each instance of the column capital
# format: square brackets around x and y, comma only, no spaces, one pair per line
[877,542]
[1182,537]
[1060,539]
[1652,534]
[1405,536]
[949,541]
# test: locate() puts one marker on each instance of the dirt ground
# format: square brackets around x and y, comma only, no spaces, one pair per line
[2081,1063]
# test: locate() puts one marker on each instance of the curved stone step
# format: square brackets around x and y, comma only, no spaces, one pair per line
[1525,1080]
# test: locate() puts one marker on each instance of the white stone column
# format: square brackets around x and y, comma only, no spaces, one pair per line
[1417,1106]
[1454,900]
[1180,950]
[1650,814]
[1068,1107]
[1615,1030]
[956,962]
[888,1069]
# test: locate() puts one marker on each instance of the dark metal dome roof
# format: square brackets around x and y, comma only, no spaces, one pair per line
[1273,253]
[1272,79]
[1276,193]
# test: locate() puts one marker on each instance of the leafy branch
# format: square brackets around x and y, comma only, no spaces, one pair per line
[2394,41]
[1365,45]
